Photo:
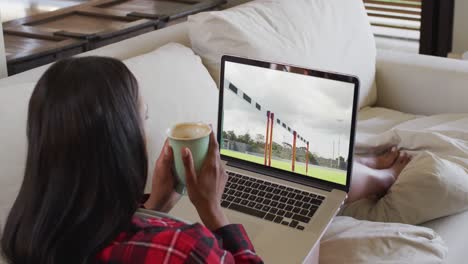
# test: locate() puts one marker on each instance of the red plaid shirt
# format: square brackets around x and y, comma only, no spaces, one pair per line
[163,240]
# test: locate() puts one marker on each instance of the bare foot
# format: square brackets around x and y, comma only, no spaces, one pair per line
[386,178]
[399,165]
[382,161]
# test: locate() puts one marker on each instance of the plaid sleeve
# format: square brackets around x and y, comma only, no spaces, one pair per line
[234,239]
[233,246]
[163,240]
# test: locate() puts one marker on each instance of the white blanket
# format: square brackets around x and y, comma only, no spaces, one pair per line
[352,241]
[435,183]
[445,135]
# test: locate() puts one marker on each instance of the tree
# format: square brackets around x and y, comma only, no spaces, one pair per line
[259,138]
[342,163]
[313,159]
[231,135]
[246,138]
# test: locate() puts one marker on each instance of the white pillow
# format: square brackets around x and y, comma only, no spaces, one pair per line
[352,241]
[177,88]
[14,102]
[428,188]
[332,35]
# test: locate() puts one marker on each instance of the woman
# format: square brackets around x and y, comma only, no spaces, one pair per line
[86,170]
[85,174]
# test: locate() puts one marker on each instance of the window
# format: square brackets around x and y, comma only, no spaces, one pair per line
[395,18]
[423,26]
[396,22]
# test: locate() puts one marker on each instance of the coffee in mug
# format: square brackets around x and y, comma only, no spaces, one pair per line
[194,136]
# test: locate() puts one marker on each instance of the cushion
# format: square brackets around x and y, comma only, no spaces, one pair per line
[352,241]
[177,88]
[333,35]
[14,102]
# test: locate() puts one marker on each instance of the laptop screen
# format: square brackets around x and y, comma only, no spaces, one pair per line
[288,118]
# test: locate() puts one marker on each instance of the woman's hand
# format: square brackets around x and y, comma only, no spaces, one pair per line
[163,196]
[206,188]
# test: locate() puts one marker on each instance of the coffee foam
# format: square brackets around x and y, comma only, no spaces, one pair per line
[189,131]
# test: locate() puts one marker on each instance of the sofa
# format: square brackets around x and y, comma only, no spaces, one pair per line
[406,83]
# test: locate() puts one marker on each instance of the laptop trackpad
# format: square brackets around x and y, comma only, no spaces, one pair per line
[251,224]
[186,211]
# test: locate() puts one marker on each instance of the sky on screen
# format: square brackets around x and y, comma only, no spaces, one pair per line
[319,110]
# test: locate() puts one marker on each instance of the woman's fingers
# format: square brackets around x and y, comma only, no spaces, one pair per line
[214,146]
[164,148]
[168,157]
[190,175]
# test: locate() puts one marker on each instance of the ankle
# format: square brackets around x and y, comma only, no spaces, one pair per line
[383,181]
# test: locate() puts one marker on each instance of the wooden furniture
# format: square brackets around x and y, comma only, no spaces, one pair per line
[27,50]
[24,8]
[38,40]
[41,39]
[167,10]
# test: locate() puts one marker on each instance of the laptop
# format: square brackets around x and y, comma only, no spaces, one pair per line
[286,135]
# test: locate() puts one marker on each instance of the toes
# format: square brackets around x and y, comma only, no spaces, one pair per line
[405,158]
[388,158]
[408,158]
[392,154]
[401,158]
[392,151]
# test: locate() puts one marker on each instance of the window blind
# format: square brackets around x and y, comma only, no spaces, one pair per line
[395,18]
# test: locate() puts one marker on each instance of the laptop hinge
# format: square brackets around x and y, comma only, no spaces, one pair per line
[281,176]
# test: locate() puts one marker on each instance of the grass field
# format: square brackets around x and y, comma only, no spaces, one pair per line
[314,171]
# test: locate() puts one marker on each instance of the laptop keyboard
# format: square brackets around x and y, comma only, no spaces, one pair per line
[277,203]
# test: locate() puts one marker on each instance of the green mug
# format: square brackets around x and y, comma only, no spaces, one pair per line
[194,136]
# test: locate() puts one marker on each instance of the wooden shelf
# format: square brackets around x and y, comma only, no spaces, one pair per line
[37,40]
[28,49]
[163,9]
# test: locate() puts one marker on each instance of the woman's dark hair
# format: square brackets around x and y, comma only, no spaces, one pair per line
[86,166]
